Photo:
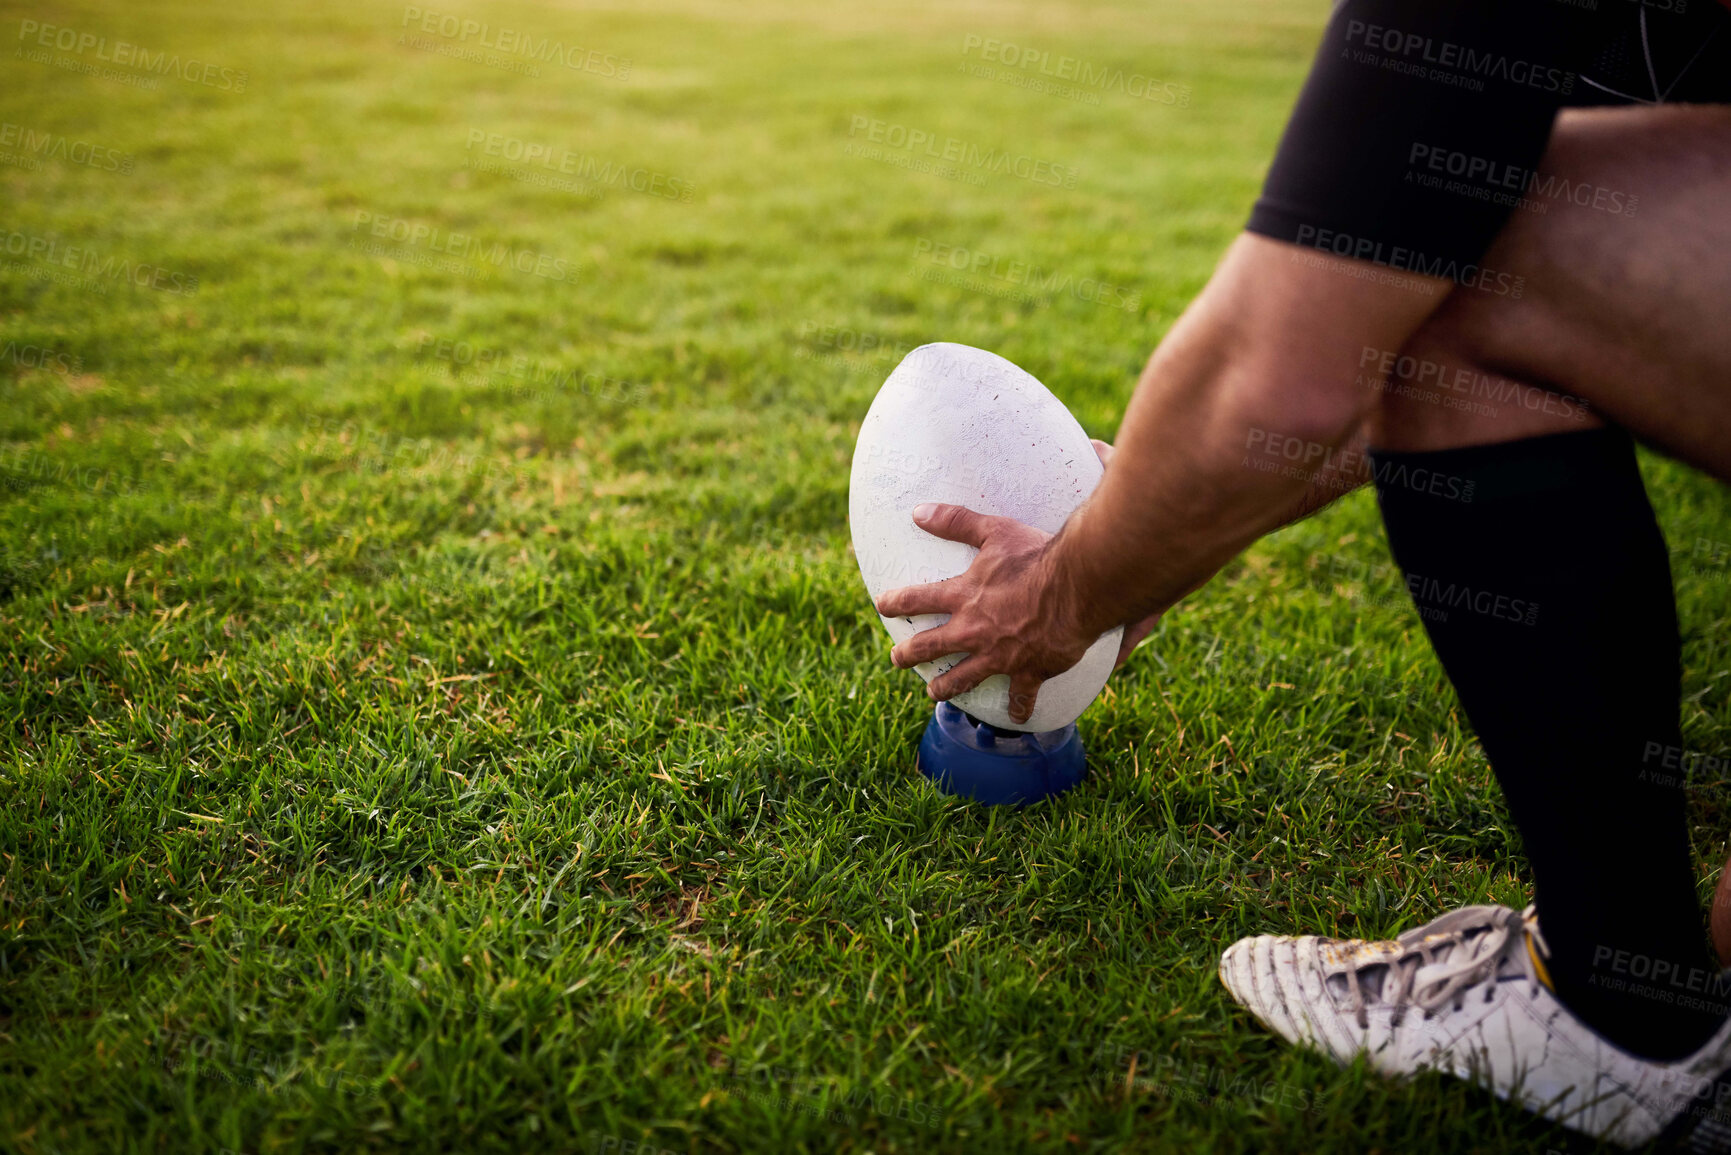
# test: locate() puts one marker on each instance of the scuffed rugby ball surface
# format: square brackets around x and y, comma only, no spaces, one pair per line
[961,426]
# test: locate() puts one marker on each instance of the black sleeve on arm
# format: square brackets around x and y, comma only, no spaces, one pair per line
[1418,127]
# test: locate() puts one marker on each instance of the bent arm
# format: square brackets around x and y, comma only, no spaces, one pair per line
[1243,419]
[1235,429]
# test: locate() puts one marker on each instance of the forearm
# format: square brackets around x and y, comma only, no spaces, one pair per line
[1265,359]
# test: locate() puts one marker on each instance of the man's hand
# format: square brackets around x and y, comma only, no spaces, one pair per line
[1006,613]
[992,602]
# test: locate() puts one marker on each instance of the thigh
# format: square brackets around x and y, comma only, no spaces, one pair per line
[1626,294]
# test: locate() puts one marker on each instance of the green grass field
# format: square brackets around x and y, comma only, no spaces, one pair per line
[440,708]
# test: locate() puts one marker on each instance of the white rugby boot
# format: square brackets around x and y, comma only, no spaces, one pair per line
[1468,994]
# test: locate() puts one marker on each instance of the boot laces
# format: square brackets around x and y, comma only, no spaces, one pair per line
[1440,963]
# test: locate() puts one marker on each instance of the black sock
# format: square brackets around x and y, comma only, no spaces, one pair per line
[1542,578]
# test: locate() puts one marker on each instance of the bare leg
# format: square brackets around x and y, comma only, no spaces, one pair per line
[1630,312]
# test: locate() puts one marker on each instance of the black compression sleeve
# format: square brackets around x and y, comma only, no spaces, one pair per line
[1404,101]
[1548,599]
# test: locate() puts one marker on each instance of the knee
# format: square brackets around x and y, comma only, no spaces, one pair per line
[1431,394]
[1442,390]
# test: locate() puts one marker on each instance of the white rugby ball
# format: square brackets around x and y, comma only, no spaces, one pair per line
[961,426]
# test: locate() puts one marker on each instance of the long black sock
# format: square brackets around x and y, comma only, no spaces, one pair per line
[1542,578]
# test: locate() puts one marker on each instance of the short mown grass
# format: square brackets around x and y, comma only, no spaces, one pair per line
[410,747]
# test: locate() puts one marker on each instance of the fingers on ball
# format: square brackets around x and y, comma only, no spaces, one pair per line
[926,646]
[954,523]
[1024,691]
[959,679]
[932,598]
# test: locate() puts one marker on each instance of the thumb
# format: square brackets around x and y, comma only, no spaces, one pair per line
[1133,635]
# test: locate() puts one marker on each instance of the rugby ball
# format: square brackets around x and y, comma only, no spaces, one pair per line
[961,426]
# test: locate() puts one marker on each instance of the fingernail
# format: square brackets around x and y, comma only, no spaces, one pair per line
[924,511]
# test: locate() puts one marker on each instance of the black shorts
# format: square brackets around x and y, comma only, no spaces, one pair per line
[1421,127]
